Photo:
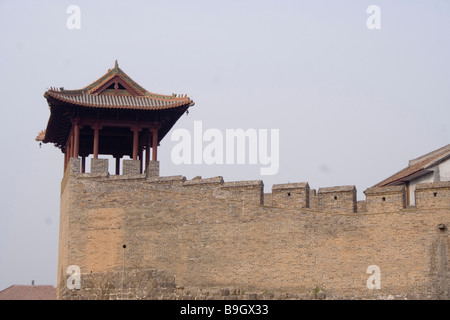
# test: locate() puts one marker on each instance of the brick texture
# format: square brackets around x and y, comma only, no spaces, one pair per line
[153,169]
[131,167]
[385,199]
[99,165]
[210,239]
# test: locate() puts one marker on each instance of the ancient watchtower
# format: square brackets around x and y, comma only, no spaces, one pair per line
[111,116]
[139,235]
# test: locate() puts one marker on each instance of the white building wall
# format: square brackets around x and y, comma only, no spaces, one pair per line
[429,177]
[444,170]
[438,173]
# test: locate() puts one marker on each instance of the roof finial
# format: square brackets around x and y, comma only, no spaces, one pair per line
[116,65]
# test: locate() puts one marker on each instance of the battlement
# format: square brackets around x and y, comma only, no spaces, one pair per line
[205,233]
[385,199]
[290,195]
[433,195]
[337,199]
[207,183]
[340,199]
[248,191]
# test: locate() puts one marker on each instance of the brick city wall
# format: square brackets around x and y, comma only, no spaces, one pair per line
[210,239]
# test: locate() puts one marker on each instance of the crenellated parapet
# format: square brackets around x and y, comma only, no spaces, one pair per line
[433,195]
[249,191]
[385,199]
[341,199]
[169,237]
[290,195]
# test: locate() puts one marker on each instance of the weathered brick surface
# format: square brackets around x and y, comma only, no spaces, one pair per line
[433,195]
[290,195]
[153,169]
[251,192]
[131,167]
[337,199]
[385,199]
[197,239]
[99,165]
[74,166]
[313,199]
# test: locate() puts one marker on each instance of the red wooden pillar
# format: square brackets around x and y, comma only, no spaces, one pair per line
[96,138]
[76,139]
[135,142]
[68,151]
[154,144]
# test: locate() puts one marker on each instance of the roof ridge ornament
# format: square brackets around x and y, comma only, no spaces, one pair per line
[116,66]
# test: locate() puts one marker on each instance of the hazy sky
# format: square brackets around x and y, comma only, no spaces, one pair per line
[352,105]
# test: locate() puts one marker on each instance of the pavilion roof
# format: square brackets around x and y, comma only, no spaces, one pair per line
[116,89]
[118,101]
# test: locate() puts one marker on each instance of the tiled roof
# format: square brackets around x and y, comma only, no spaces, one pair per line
[99,95]
[417,166]
[118,101]
[24,292]
[116,71]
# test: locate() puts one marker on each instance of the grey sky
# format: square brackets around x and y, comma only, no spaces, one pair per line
[353,105]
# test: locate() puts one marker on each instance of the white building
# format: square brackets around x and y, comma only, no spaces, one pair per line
[431,167]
